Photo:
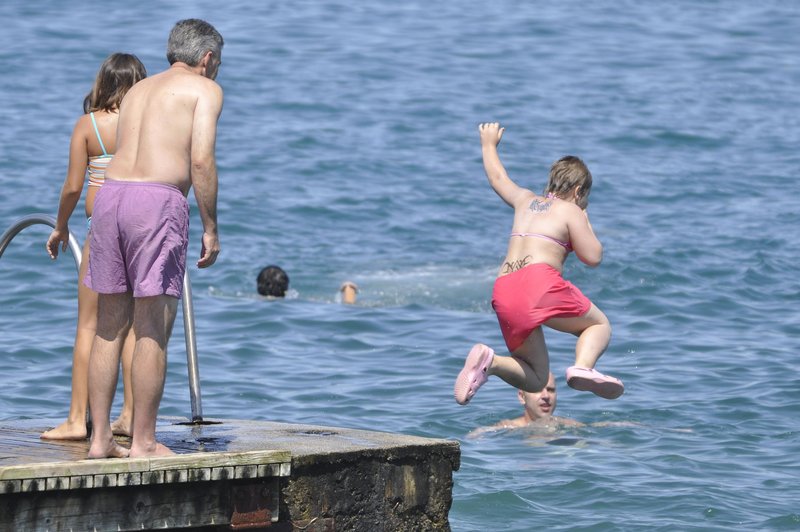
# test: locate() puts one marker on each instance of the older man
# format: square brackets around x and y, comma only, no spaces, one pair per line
[165,146]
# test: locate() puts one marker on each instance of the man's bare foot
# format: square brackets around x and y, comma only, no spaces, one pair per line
[158,450]
[121,426]
[66,431]
[107,449]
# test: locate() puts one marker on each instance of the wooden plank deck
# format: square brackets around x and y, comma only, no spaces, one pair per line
[228,473]
[50,485]
[20,442]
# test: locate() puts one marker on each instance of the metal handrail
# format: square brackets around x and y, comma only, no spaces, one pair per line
[33,219]
[188,310]
[191,351]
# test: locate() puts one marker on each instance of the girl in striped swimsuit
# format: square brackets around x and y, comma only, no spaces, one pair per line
[91,147]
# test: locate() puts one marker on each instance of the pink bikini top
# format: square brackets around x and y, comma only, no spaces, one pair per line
[565,245]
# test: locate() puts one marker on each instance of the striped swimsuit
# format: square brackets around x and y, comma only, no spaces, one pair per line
[98,163]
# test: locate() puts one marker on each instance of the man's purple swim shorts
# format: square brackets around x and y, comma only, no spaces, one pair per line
[139,236]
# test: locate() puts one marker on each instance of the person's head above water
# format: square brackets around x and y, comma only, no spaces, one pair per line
[349,289]
[272,281]
[539,408]
[570,178]
[118,73]
[539,404]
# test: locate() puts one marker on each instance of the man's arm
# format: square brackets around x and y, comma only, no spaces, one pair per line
[204,167]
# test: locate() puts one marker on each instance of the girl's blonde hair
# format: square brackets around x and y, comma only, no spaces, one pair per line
[118,73]
[566,174]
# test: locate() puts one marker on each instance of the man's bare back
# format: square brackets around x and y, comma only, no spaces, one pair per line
[167,125]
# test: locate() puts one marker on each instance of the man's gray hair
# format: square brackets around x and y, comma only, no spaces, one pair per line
[190,39]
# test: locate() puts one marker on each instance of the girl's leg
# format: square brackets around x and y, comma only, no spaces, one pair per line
[528,367]
[594,334]
[74,428]
[593,331]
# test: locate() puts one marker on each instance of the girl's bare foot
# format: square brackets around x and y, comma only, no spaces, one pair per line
[157,450]
[121,426]
[68,430]
[107,449]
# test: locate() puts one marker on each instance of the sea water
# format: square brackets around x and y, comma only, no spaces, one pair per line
[348,150]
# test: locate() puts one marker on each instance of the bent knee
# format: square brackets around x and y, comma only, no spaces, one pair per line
[606,325]
[598,317]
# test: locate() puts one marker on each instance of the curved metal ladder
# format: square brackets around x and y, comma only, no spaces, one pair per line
[188,311]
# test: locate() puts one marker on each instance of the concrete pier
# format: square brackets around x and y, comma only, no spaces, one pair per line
[230,474]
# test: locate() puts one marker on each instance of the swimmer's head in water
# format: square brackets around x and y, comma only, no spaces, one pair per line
[540,404]
[348,291]
[272,281]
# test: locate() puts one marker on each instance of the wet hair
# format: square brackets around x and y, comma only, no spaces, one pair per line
[190,39]
[566,174]
[272,281]
[118,73]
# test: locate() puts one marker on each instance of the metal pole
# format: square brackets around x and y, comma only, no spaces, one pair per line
[188,311]
[191,351]
[33,219]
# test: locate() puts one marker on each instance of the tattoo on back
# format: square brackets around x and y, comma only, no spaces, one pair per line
[513,266]
[540,206]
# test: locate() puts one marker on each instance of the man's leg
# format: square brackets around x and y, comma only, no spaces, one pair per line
[114,312]
[122,425]
[152,325]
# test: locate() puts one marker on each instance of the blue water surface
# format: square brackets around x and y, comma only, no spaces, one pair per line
[348,149]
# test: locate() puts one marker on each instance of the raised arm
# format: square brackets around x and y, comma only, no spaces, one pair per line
[72,188]
[204,168]
[510,192]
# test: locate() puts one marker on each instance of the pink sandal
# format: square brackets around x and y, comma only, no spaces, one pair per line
[591,380]
[474,374]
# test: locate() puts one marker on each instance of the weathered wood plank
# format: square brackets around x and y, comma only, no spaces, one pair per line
[75,468]
[10,486]
[201,474]
[222,473]
[152,477]
[200,460]
[360,480]
[129,479]
[105,472]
